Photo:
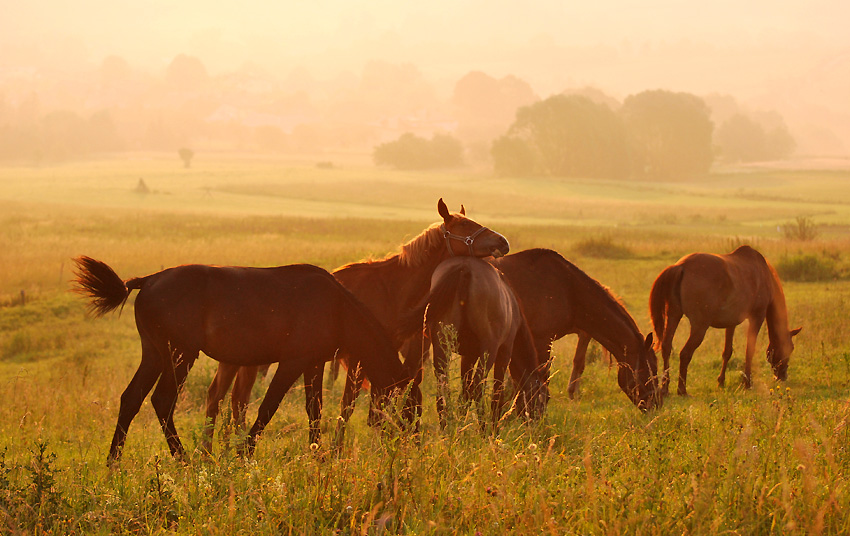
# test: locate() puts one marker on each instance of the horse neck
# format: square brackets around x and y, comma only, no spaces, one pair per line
[607,321]
[401,286]
[777,317]
[364,339]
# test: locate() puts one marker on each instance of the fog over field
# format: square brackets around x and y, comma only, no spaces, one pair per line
[791,56]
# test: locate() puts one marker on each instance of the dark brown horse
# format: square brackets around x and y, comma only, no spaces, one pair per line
[298,316]
[389,288]
[471,295]
[721,291]
[558,299]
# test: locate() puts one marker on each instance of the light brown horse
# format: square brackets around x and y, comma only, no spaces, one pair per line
[721,291]
[558,298]
[471,295]
[388,287]
[298,316]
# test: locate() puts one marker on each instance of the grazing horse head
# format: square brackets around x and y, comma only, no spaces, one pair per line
[638,377]
[464,236]
[779,353]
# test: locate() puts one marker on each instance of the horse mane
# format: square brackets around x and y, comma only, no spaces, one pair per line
[413,253]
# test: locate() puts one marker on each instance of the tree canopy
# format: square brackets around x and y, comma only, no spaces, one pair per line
[564,135]
[671,134]
[654,134]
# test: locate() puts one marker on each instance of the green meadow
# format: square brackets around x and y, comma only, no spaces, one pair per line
[770,460]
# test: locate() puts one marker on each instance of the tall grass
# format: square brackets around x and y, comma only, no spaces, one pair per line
[770,460]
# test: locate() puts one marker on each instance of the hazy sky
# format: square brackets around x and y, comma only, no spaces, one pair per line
[742,47]
[153,31]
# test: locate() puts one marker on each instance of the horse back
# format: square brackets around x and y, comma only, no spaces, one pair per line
[241,315]
[725,290]
[486,305]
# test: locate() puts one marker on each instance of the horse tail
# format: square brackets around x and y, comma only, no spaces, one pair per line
[664,290]
[453,287]
[96,280]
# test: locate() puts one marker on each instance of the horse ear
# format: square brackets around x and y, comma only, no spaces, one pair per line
[462,210]
[796,331]
[647,342]
[443,210]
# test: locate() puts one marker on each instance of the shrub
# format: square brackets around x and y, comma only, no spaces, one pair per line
[807,268]
[603,248]
[802,228]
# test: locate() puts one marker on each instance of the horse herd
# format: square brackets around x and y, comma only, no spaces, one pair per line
[506,311]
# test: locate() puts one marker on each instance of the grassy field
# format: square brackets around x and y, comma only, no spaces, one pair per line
[771,460]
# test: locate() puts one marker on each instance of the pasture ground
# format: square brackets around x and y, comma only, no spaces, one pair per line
[770,460]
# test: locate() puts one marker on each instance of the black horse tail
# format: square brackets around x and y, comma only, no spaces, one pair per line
[96,280]
[664,290]
[453,287]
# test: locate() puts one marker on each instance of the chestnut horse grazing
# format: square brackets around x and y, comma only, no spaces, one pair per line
[471,295]
[721,291]
[389,288]
[558,298]
[297,316]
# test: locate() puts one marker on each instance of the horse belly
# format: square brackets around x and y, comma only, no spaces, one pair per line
[251,341]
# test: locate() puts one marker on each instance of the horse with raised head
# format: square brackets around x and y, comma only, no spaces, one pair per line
[298,316]
[558,298]
[388,287]
[492,333]
[721,291]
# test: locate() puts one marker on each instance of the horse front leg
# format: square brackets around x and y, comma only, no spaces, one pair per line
[440,367]
[579,361]
[499,369]
[215,394]
[727,353]
[313,383]
[353,383]
[753,327]
[241,394]
[283,379]
[414,352]
[694,340]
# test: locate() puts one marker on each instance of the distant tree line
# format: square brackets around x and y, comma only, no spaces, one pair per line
[413,152]
[653,135]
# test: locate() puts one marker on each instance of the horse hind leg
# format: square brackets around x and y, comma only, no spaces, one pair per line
[133,396]
[727,353]
[579,361]
[673,319]
[164,398]
[694,340]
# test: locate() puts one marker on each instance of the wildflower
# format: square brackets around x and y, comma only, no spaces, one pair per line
[314,447]
[532,447]
[499,474]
